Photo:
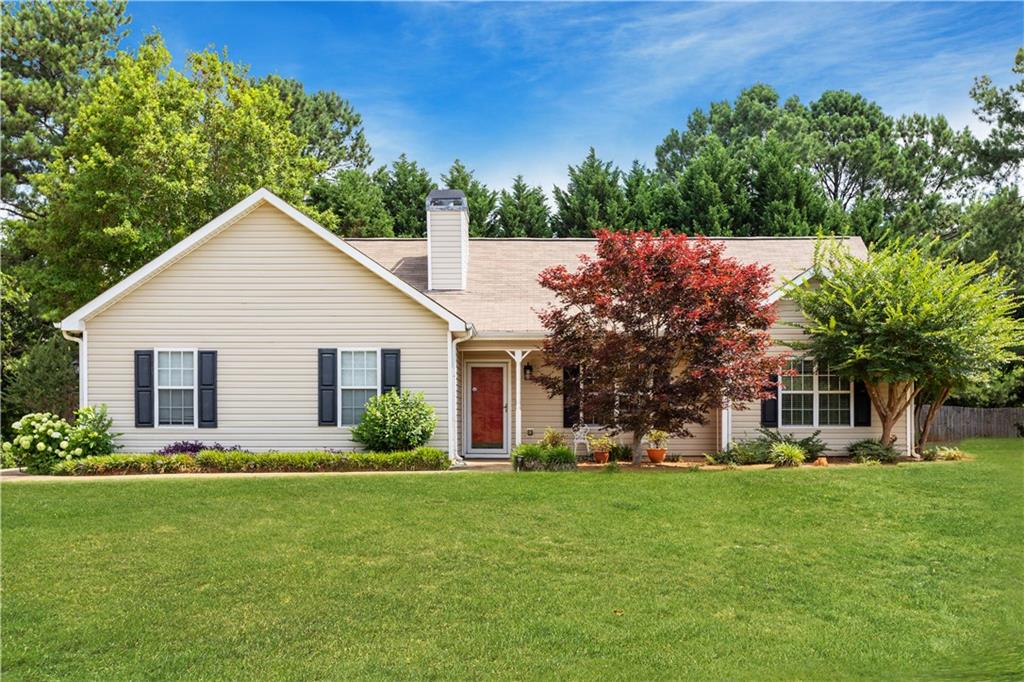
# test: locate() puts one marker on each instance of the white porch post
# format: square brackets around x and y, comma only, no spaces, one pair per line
[518,356]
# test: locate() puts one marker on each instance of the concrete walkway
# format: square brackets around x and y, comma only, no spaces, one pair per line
[17,476]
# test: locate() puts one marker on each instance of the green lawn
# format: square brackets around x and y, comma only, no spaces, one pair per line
[871,572]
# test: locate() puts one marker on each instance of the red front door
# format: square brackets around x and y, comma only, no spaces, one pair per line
[487,408]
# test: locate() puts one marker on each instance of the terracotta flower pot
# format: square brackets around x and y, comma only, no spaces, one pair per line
[656,455]
[601,457]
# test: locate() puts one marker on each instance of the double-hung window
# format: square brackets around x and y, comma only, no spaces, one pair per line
[176,387]
[815,396]
[359,381]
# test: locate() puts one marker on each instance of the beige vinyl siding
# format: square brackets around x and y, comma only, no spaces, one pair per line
[265,293]
[446,248]
[541,412]
[746,419]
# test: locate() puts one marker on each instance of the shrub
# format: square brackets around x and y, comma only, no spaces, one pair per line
[396,421]
[811,445]
[533,457]
[620,453]
[611,467]
[192,447]
[871,450]
[759,450]
[230,461]
[787,455]
[91,433]
[746,452]
[942,453]
[40,441]
[127,464]
[7,457]
[552,438]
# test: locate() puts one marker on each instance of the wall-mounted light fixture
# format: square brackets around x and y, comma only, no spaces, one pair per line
[527,371]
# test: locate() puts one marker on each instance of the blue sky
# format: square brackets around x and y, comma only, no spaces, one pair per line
[527,88]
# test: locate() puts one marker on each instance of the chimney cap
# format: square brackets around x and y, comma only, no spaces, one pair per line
[447,200]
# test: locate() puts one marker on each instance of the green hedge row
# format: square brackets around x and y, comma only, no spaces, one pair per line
[214,461]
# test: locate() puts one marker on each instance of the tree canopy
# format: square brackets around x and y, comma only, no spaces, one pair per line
[660,329]
[908,317]
[50,52]
[356,203]
[405,187]
[151,155]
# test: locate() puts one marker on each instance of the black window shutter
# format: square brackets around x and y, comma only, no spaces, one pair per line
[207,389]
[143,388]
[770,406]
[570,390]
[861,405]
[327,387]
[390,370]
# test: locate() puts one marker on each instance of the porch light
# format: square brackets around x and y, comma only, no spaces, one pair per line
[527,371]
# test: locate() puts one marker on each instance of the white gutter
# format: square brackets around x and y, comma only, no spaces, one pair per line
[83,364]
[453,357]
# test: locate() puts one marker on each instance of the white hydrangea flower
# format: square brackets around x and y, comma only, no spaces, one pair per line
[26,442]
[17,426]
[63,445]
[78,452]
[40,446]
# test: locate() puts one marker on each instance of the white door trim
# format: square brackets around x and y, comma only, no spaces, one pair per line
[467,411]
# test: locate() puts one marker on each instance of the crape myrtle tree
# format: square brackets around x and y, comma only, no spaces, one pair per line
[909,318]
[661,330]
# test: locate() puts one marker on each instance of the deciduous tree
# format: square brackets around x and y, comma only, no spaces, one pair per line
[907,318]
[151,155]
[663,330]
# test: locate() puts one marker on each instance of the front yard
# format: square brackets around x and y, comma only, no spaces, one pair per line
[864,571]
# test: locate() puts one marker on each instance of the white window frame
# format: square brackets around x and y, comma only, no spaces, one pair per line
[157,387]
[815,393]
[356,388]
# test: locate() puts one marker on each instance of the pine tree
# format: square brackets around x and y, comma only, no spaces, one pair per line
[405,187]
[481,200]
[356,202]
[593,200]
[523,212]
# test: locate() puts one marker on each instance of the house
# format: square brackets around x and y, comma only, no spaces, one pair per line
[266,330]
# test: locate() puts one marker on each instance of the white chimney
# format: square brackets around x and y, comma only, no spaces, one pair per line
[447,239]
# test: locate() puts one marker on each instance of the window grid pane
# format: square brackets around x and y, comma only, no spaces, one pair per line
[175,377]
[834,409]
[359,369]
[353,404]
[797,409]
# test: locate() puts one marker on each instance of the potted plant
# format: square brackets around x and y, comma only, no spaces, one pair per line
[600,446]
[657,440]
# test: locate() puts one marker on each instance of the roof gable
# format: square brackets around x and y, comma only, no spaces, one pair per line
[76,320]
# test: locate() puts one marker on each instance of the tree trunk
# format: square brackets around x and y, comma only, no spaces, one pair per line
[933,411]
[887,425]
[638,453]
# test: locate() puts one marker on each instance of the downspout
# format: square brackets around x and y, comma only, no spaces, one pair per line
[83,368]
[453,369]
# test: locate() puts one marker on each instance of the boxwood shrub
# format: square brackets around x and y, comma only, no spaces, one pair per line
[231,461]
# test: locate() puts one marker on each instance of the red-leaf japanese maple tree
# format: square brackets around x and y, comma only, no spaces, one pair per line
[661,329]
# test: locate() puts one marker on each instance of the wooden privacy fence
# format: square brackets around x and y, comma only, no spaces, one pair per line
[956,423]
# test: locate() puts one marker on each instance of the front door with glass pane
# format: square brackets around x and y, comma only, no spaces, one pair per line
[487,408]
